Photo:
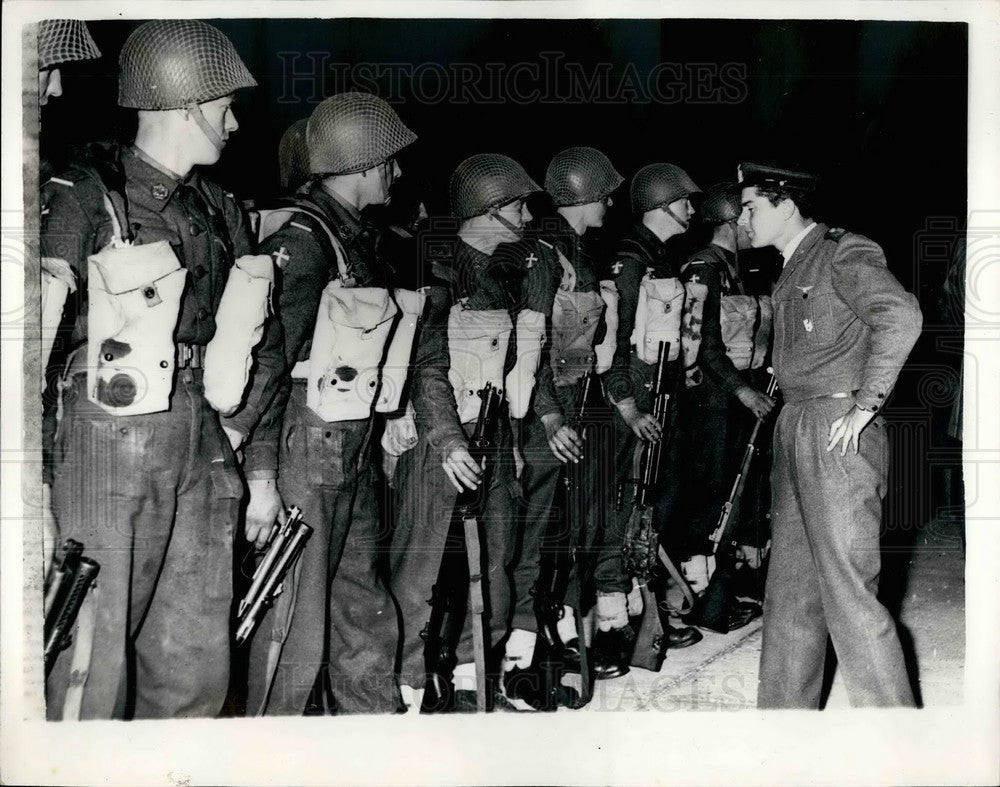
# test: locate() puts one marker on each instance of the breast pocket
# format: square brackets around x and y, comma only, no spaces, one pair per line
[814,315]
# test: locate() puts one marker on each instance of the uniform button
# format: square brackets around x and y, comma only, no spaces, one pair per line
[202,314]
[881,396]
[164,364]
[195,230]
[200,272]
[329,434]
[124,430]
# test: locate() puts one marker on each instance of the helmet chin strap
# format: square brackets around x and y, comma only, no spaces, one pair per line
[205,126]
[676,218]
[518,231]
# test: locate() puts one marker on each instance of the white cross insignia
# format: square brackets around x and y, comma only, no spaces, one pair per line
[530,260]
[281,256]
[617,268]
[695,279]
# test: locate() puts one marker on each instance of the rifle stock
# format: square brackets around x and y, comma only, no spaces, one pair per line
[642,539]
[447,603]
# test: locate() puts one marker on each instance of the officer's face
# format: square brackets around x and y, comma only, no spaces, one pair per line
[49,85]
[762,221]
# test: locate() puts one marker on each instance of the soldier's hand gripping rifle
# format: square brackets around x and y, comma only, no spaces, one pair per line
[445,624]
[283,547]
[555,565]
[68,584]
[641,546]
[713,608]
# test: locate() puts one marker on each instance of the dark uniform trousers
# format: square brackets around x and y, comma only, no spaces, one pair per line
[714,431]
[155,499]
[825,565]
[426,503]
[326,470]
[544,499]
[609,573]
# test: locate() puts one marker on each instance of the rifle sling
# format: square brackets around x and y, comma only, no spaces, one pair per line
[476,607]
[83,651]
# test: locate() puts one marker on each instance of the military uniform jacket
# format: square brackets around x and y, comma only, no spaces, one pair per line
[486,283]
[638,253]
[842,320]
[203,223]
[715,274]
[306,263]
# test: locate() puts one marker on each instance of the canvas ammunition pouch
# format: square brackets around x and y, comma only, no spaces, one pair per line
[239,327]
[746,323]
[658,318]
[397,358]
[691,321]
[576,317]
[57,283]
[529,336]
[134,295]
[477,350]
[605,351]
[352,327]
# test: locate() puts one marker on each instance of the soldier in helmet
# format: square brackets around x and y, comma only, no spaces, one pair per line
[169,304]
[478,331]
[724,390]
[338,312]
[293,157]
[60,41]
[650,307]
[558,266]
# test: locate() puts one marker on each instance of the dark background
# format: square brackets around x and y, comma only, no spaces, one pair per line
[877,109]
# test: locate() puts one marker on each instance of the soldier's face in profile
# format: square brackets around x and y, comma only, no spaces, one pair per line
[762,221]
[220,118]
[594,212]
[682,209]
[49,85]
[517,214]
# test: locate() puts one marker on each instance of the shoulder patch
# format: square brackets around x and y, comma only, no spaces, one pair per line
[835,233]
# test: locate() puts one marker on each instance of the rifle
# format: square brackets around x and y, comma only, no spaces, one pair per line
[554,572]
[284,545]
[641,548]
[712,609]
[67,588]
[445,625]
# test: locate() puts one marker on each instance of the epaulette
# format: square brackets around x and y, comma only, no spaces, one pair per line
[835,234]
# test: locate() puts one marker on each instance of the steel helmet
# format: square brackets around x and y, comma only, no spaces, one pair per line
[487,181]
[721,204]
[580,175]
[293,156]
[657,185]
[172,63]
[63,41]
[353,132]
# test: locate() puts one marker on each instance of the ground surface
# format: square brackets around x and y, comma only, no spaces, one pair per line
[720,672]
